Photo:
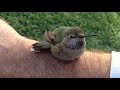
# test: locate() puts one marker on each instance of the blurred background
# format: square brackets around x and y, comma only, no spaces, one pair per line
[33,25]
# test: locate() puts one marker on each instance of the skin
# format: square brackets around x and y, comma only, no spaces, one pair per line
[16,60]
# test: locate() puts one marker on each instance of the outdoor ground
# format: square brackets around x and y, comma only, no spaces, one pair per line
[34,24]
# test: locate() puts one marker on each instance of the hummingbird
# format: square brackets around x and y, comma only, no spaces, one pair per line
[65,43]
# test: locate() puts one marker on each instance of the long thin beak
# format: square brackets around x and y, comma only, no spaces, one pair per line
[88,35]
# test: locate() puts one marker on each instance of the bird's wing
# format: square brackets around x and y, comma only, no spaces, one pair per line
[50,37]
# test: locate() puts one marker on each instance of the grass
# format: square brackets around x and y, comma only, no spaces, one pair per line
[34,24]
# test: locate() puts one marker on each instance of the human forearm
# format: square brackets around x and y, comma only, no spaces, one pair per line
[97,64]
[16,60]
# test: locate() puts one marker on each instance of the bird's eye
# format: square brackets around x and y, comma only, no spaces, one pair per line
[72,36]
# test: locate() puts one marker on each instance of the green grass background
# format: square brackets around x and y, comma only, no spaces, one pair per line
[34,24]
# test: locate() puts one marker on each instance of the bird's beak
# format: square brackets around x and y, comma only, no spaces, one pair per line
[88,35]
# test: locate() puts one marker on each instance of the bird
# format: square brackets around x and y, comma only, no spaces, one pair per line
[65,43]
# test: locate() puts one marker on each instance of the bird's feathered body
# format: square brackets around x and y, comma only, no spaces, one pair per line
[65,43]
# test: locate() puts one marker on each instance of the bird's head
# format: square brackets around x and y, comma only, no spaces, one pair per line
[74,38]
